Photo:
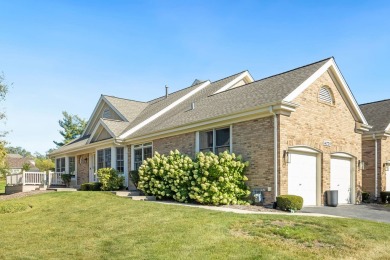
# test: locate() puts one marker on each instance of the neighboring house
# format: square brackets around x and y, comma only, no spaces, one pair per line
[15,163]
[301,131]
[376,148]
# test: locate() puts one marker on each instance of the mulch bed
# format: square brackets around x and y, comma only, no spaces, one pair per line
[22,194]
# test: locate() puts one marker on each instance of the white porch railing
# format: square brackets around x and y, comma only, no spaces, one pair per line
[35,178]
[55,178]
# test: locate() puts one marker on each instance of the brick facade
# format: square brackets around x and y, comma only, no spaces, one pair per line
[254,141]
[315,122]
[310,125]
[82,169]
[368,150]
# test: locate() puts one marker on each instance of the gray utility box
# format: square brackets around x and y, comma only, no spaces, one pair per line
[332,198]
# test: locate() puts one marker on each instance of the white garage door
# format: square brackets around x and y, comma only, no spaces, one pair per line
[388,180]
[340,178]
[302,172]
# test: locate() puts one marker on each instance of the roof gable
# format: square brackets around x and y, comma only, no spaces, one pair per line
[331,66]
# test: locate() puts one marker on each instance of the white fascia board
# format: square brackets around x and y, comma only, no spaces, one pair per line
[92,115]
[163,111]
[243,75]
[308,82]
[387,128]
[114,108]
[329,65]
[347,90]
[100,123]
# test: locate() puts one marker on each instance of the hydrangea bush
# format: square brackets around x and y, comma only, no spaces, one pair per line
[210,179]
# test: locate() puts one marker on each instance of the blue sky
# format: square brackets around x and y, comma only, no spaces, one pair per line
[62,55]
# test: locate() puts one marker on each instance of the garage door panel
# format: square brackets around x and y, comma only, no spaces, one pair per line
[387,180]
[302,172]
[340,178]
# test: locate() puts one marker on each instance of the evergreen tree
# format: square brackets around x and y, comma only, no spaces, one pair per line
[73,126]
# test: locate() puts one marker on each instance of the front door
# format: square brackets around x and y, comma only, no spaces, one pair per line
[92,169]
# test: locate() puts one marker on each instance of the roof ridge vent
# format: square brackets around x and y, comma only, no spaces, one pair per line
[196,82]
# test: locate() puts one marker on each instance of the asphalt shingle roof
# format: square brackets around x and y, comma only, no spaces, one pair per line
[377,114]
[130,109]
[116,126]
[252,95]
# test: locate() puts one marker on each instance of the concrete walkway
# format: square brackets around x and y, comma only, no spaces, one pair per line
[241,211]
[374,212]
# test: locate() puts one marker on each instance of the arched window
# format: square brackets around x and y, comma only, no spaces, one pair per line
[325,95]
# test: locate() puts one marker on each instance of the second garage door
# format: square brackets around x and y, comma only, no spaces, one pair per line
[302,172]
[340,178]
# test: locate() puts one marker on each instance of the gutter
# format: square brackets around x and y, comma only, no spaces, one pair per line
[376,166]
[271,110]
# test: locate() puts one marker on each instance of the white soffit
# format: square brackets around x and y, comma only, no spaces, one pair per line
[163,111]
[243,76]
[328,65]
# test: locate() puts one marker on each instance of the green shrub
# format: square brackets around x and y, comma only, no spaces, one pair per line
[365,196]
[134,177]
[211,179]
[289,202]
[166,176]
[91,186]
[385,196]
[219,179]
[66,178]
[12,207]
[110,179]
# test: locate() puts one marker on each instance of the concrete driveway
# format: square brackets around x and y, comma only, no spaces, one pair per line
[374,212]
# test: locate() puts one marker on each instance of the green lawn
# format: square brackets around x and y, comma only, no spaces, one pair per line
[96,225]
[2,185]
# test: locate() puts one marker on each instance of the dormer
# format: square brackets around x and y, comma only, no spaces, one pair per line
[243,79]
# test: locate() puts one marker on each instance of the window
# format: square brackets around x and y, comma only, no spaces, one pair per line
[120,159]
[325,95]
[104,158]
[216,140]
[106,113]
[141,153]
[60,164]
[72,165]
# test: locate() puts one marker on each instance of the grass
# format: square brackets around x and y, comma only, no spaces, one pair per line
[97,225]
[2,185]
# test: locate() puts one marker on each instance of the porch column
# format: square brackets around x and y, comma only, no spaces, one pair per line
[67,164]
[126,164]
[113,157]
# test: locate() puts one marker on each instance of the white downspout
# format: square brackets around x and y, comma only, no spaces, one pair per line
[376,167]
[275,150]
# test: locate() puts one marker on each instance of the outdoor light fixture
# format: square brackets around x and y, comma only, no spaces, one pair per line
[361,165]
[387,166]
[286,157]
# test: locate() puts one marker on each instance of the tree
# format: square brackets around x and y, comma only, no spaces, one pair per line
[44,164]
[26,166]
[3,151]
[73,127]
[18,150]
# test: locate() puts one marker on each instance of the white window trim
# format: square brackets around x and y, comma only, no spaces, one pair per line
[143,145]
[197,138]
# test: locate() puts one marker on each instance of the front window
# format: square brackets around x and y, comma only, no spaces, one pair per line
[104,158]
[141,153]
[60,164]
[72,164]
[120,159]
[216,140]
